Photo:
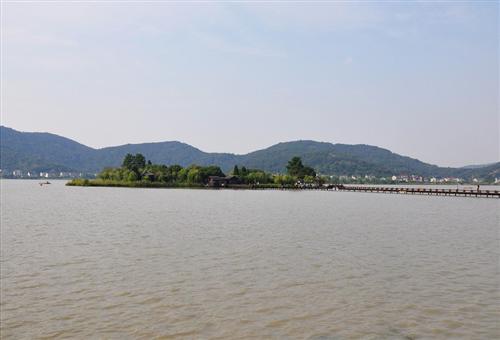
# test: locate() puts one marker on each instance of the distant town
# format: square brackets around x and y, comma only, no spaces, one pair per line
[27,174]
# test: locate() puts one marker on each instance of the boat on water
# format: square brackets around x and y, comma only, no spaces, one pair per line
[44,183]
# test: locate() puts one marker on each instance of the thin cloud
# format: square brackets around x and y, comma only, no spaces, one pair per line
[226,46]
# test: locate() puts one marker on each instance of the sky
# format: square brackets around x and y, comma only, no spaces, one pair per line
[419,78]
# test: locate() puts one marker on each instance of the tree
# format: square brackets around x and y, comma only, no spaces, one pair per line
[134,163]
[294,166]
[309,179]
[139,161]
[297,169]
[132,176]
[173,172]
[308,171]
[194,175]
[321,180]
[236,171]
[257,177]
[284,179]
[127,161]
[181,175]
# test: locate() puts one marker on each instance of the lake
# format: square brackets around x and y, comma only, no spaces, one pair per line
[81,262]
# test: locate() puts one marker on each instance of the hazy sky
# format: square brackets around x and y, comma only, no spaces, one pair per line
[421,78]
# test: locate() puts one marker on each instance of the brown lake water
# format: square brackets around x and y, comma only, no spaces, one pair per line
[120,263]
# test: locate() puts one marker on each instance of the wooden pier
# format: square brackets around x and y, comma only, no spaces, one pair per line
[381,189]
[419,191]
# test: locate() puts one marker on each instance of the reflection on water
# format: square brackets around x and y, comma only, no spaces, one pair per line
[143,263]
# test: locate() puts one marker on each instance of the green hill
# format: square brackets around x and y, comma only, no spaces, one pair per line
[45,152]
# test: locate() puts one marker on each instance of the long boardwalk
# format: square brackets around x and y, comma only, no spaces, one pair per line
[419,191]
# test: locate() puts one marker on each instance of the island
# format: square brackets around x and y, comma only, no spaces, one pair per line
[136,171]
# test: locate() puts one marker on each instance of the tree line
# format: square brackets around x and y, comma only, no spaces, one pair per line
[136,168]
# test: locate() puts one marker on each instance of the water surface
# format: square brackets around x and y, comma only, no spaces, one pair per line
[158,263]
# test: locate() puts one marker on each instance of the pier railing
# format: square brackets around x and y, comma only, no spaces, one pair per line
[381,189]
[419,191]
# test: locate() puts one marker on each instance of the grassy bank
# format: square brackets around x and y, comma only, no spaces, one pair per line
[127,184]
[148,184]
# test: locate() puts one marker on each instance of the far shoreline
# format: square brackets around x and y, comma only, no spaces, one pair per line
[269,186]
[162,185]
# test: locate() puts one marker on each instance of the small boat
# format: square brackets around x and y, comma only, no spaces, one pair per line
[43,183]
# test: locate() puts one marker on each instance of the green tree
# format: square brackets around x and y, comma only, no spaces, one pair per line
[182,175]
[257,177]
[284,179]
[236,171]
[132,176]
[321,180]
[308,171]
[297,169]
[194,175]
[128,161]
[294,166]
[173,172]
[134,163]
[309,179]
[139,161]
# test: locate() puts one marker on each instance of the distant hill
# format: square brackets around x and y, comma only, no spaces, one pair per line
[162,153]
[31,150]
[477,166]
[45,151]
[339,159]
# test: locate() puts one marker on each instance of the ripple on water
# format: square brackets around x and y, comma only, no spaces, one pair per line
[112,263]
